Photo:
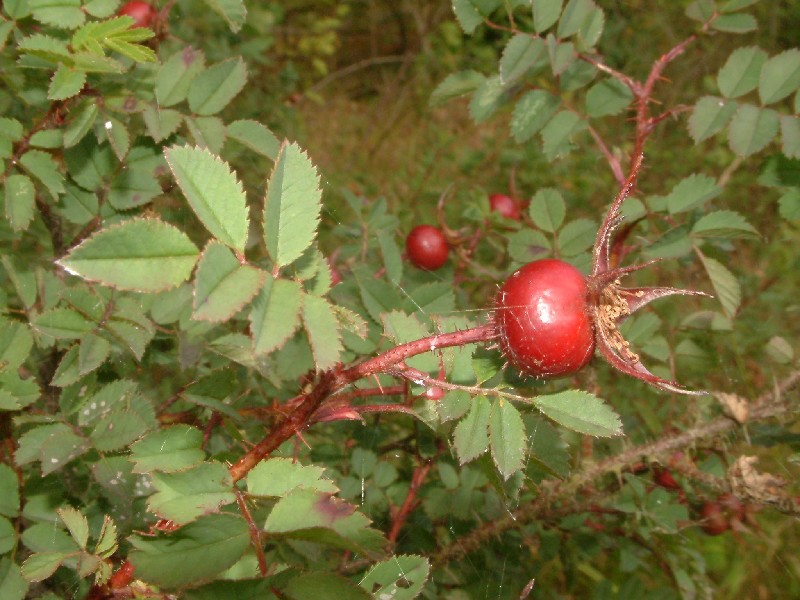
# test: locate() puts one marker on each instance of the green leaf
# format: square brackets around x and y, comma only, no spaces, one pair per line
[277,477]
[20,199]
[24,281]
[207,132]
[196,552]
[62,324]
[726,286]
[183,496]
[531,113]
[255,136]
[67,370]
[575,13]
[738,23]
[322,329]
[9,499]
[546,446]
[790,135]
[779,350]
[576,236]
[467,15]
[322,518]
[66,83]
[222,285]
[46,48]
[92,352]
[701,10]
[520,55]
[741,71]
[176,75]
[43,168]
[487,99]
[77,525]
[137,183]
[399,578]
[709,116]
[118,137]
[456,85]
[275,314]
[562,55]
[42,565]
[233,11]
[789,205]
[546,13]
[117,429]
[507,436]
[557,134]
[213,192]
[527,245]
[780,76]
[12,585]
[691,192]
[213,88]
[292,205]
[80,124]
[172,448]
[17,393]
[580,411]
[752,129]
[138,254]
[161,123]
[547,209]
[16,342]
[733,5]
[608,97]
[323,586]
[591,28]
[64,14]
[725,224]
[470,436]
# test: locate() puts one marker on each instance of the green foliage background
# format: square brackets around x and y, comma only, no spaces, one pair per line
[172,203]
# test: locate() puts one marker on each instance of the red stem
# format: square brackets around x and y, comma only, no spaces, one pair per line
[410,502]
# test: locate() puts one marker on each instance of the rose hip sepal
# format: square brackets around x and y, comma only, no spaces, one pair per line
[549,318]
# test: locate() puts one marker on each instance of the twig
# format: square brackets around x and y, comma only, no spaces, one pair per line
[410,502]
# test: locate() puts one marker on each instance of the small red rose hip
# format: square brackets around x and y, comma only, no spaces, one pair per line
[505,205]
[142,13]
[542,319]
[427,247]
[714,520]
[665,479]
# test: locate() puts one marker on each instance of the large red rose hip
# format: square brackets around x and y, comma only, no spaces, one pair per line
[543,320]
[427,247]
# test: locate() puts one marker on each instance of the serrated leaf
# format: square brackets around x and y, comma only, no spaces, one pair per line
[392,260]
[46,48]
[67,370]
[9,499]
[43,168]
[562,55]
[709,116]
[233,11]
[546,446]
[527,245]
[726,286]
[255,136]
[591,28]
[456,85]
[733,5]
[117,429]
[399,578]
[780,76]
[790,135]
[92,352]
[546,13]
[222,285]
[183,496]
[322,330]
[471,437]
[139,254]
[557,134]
[213,192]
[701,10]
[752,129]
[135,52]
[77,525]
[64,14]
[576,236]
[292,205]
[23,280]
[17,393]
[738,23]
[575,13]
[66,82]
[12,584]
[19,196]
[580,411]
[118,137]
[789,205]
[62,323]
[547,209]
[522,53]
[41,565]
[107,540]
[467,15]
[741,71]
[173,448]
[80,124]
[691,192]
[607,97]
[195,552]
[161,123]
[213,88]
[323,518]
[276,477]
[275,314]
[59,448]
[207,132]
[723,223]
[486,99]
[176,75]
[531,113]
[507,437]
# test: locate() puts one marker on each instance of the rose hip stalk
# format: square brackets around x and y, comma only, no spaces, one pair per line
[550,318]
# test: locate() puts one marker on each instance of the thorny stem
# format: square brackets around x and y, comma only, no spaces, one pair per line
[557,498]
[333,380]
[410,502]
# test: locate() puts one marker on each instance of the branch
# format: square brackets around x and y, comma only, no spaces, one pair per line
[558,497]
